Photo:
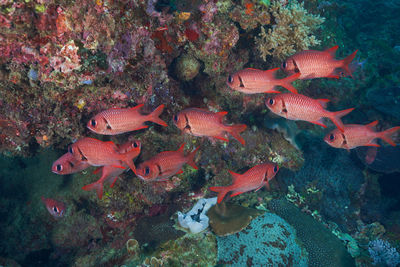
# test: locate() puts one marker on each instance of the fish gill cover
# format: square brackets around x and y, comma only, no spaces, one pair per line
[71,71]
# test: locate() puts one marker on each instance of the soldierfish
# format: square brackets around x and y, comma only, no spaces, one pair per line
[355,135]
[318,64]
[165,164]
[111,173]
[253,81]
[99,153]
[253,179]
[304,108]
[67,164]
[121,120]
[199,122]
[54,207]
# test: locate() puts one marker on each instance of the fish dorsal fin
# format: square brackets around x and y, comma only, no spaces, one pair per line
[181,148]
[272,70]
[137,107]
[251,69]
[323,102]
[332,50]
[235,176]
[372,124]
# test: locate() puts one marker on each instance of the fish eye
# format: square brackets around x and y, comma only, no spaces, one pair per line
[93,123]
[147,170]
[331,137]
[59,167]
[284,65]
[55,209]
[175,117]
[135,144]
[230,79]
[276,168]
[271,101]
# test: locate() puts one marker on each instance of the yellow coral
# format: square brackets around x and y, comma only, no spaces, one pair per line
[292,32]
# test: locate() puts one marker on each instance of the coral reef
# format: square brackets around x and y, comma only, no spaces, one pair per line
[292,32]
[267,240]
[382,252]
[323,248]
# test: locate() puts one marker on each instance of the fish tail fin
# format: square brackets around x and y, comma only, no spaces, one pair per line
[287,82]
[387,135]
[98,186]
[190,158]
[346,62]
[335,117]
[221,190]
[235,131]
[154,116]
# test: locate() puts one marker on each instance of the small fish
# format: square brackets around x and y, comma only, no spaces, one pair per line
[318,64]
[253,81]
[355,135]
[99,153]
[165,164]
[253,179]
[67,164]
[55,208]
[121,120]
[111,173]
[301,107]
[199,122]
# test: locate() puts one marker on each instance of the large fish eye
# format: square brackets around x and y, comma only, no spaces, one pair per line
[284,65]
[147,170]
[59,167]
[175,117]
[93,123]
[276,168]
[135,144]
[230,79]
[331,137]
[55,209]
[271,101]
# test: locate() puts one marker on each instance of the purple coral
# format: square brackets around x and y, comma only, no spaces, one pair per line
[382,252]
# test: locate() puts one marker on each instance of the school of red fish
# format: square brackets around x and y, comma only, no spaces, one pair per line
[113,159]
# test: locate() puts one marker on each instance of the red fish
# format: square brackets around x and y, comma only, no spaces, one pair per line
[55,208]
[304,108]
[165,164]
[111,173]
[355,135]
[253,81]
[199,122]
[253,179]
[99,153]
[318,64]
[121,120]
[67,164]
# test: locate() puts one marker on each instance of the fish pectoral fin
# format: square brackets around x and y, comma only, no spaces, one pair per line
[236,193]
[319,122]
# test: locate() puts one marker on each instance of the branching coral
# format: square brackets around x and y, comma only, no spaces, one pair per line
[292,32]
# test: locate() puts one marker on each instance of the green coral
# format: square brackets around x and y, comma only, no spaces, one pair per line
[293,31]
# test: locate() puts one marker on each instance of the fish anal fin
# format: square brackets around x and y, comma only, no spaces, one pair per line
[333,76]
[235,176]
[236,193]
[319,122]
[137,107]
[372,124]
[323,102]
[221,138]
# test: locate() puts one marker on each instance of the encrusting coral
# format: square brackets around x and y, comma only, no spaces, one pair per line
[228,218]
[292,32]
